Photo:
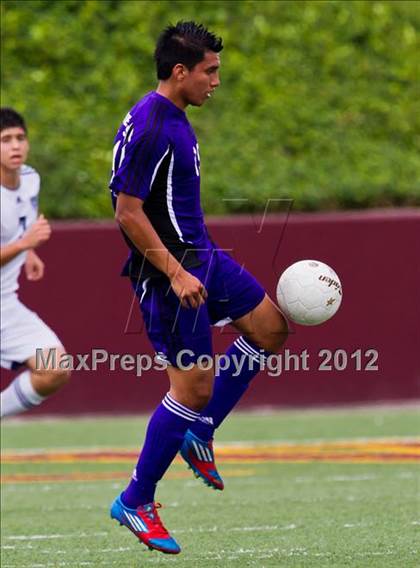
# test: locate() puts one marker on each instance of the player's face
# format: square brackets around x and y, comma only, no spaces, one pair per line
[202,80]
[14,147]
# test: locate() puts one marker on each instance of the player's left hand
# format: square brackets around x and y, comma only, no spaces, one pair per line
[34,267]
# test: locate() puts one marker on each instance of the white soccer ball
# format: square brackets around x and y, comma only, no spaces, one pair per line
[309,292]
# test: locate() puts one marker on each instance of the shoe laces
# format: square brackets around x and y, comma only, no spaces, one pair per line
[151,513]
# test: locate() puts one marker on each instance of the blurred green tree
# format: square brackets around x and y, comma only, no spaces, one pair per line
[318,103]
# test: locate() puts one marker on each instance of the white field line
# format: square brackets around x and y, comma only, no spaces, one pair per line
[406,475]
[119,549]
[58,551]
[298,551]
[179,531]
[257,554]
[235,529]
[78,486]
[340,478]
[46,565]
[55,536]
[72,564]
[283,552]
[213,529]
[366,477]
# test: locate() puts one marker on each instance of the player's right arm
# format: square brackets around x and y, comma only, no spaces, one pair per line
[38,233]
[138,151]
[134,222]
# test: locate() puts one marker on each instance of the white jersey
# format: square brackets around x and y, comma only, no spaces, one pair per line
[19,209]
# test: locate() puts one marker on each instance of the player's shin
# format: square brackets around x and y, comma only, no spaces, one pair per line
[246,360]
[164,437]
[19,396]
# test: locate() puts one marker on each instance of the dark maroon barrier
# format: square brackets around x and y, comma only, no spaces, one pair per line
[376,255]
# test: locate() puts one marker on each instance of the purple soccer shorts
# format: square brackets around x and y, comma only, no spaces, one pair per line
[173,329]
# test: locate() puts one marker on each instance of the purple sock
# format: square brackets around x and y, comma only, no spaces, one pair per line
[230,385]
[164,437]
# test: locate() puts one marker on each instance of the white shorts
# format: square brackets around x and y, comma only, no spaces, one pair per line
[22,333]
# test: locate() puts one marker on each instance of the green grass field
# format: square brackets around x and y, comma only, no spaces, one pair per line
[318,501]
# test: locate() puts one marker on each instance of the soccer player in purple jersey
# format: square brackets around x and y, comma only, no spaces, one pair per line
[183,282]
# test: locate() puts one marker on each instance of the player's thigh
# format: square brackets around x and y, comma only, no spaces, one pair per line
[265,325]
[179,335]
[233,291]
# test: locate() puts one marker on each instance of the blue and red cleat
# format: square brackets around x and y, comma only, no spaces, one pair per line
[199,456]
[145,523]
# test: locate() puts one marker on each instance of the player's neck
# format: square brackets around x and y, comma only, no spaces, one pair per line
[166,91]
[9,179]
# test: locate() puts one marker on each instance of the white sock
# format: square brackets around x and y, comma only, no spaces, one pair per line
[19,396]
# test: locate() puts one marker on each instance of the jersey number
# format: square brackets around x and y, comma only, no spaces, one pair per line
[118,157]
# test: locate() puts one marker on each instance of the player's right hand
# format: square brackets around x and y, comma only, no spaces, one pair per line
[189,289]
[38,233]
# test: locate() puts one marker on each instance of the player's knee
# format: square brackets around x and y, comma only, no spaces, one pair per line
[199,395]
[202,397]
[279,335]
[274,336]
[197,392]
[54,379]
[60,377]
[194,399]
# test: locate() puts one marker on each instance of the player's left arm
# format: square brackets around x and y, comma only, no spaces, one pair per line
[34,266]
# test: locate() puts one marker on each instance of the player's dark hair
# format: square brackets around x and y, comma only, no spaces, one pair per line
[185,43]
[9,118]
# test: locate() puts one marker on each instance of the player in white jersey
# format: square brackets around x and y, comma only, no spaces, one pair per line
[22,231]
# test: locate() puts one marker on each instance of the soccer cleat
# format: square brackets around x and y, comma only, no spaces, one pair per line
[145,523]
[199,456]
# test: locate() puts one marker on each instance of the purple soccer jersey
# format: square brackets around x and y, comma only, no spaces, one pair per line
[156,158]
